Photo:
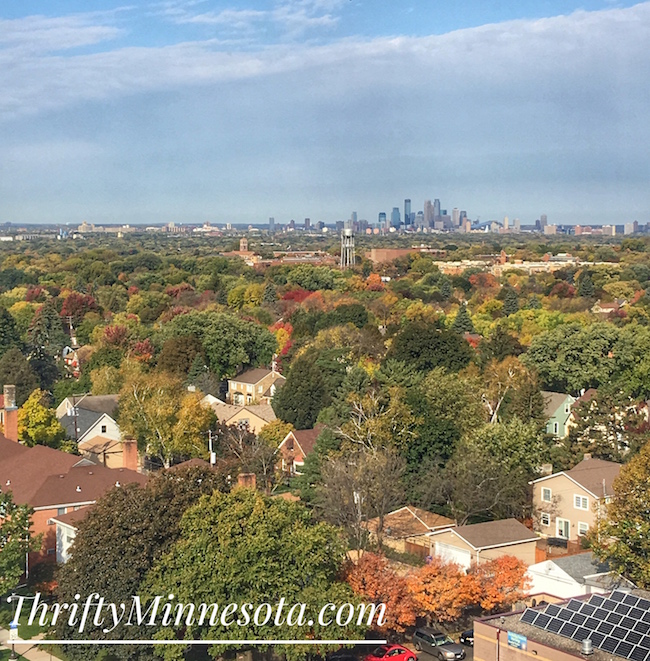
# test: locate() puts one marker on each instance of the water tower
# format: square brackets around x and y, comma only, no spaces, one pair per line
[347,248]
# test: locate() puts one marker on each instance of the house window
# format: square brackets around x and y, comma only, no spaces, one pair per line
[566,408]
[61,511]
[556,428]
[260,389]
[563,528]
[581,502]
[546,495]
[249,388]
[51,551]
[243,424]
[545,519]
[583,528]
[103,429]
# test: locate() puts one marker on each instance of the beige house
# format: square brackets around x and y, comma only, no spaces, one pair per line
[569,503]
[255,386]
[476,543]
[254,417]
[406,529]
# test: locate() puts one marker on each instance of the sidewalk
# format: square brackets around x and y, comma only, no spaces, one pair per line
[30,652]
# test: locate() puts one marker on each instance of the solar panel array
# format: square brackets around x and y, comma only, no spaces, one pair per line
[618,623]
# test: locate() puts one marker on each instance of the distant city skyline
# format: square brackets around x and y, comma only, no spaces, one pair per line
[200,110]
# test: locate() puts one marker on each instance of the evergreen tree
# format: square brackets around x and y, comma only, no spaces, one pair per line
[586,287]
[510,302]
[46,330]
[44,367]
[9,336]
[462,322]
[446,290]
[16,370]
[270,293]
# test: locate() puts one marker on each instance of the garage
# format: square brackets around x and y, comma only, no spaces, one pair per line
[451,553]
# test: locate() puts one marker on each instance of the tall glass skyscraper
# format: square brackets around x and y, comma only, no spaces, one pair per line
[407,212]
[395,219]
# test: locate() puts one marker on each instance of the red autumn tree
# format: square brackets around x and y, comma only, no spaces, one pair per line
[442,590]
[502,582]
[375,581]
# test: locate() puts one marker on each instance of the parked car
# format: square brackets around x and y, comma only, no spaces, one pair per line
[467,638]
[392,652]
[437,643]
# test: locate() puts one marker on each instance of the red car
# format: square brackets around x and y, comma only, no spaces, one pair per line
[392,652]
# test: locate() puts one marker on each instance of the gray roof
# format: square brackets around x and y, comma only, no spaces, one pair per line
[596,475]
[580,565]
[552,402]
[85,420]
[494,533]
[98,403]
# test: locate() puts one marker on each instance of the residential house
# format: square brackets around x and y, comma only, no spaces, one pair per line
[254,417]
[572,576]
[295,447]
[255,386]
[479,542]
[406,529]
[605,309]
[568,504]
[66,531]
[87,416]
[557,410]
[54,483]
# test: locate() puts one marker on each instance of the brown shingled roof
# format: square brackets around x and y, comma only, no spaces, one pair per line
[72,518]
[410,521]
[306,438]
[494,533]
[596,475]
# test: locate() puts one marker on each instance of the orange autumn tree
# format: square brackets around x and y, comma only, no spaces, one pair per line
[375,581]
[443,590]
[502,582]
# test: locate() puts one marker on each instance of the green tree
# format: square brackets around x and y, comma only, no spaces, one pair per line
[167,421]
[178,354]
[622,538]
[270,293]
[311,277]
[510,302]
[119,540]
[426,347]
[246,548]
[499,345]
[46,330]
[462,322]
[37,424]
[586,287]
[16,370]
[15,540]
[9,336]
[313,378]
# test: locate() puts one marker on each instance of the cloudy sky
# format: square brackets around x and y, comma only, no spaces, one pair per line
[194,110]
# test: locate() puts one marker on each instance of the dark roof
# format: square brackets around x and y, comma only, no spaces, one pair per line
[82,484]
[494,533]
[580,565]
[85,420]
[596,475]
[552,402]
[10,448]
[72,518]
[252,376]
[306,438]
[99,403]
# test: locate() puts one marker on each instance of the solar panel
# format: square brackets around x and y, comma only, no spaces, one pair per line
[614,618]
[543,619]
[608,644]
[574,605]
[636,613]
[631,600]
[591,623]
[633,637]
[600,614]
[565,614]
[605,627]
[642,627]
[628,622]
[581,633]
[568,629]
[587,609]
[622,609]
[617,595]
[528,616]
[639,654]
[609,604]
[619,632]
[624,648]
[578,618]
[597,638]
[552,609]
[596,600]
[644,604]
[645,642]
[554,625]
[646,616]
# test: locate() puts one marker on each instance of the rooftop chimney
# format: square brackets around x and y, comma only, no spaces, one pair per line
[130,454]
[587,456]
[10,413]
[247,480]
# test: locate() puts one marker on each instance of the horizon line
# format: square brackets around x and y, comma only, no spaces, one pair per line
[41,641]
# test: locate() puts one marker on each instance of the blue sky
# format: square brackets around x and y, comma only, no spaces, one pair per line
[194,110]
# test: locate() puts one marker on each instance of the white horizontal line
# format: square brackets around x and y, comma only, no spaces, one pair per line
[42,641]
